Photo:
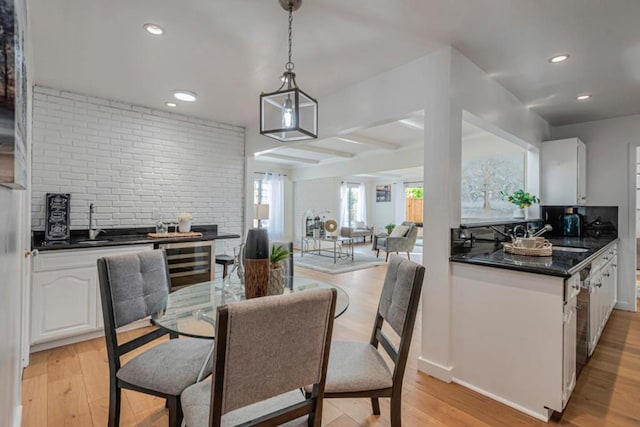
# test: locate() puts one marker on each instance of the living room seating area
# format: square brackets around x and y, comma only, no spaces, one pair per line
[360,230]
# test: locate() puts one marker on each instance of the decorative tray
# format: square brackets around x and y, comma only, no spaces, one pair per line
[546,250]
[166,235]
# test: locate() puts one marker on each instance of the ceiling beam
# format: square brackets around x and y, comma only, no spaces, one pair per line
[322,150]
[289,158]
[354,139]
[411,124]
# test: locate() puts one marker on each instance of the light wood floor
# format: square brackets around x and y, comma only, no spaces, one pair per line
[68,386]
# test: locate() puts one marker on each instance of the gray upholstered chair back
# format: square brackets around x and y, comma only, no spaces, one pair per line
[412,234]
[136,282]
[397,291]
[273,345]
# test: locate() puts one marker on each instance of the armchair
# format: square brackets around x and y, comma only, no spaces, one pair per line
[401,239]
[360,230]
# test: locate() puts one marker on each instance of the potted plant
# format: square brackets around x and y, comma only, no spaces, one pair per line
[522,200]
[277,271]
[390,228]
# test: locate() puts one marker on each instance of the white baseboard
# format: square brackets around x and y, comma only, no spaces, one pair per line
[58,342]
[17,416]
[443,373]
[543,416]
[626,306]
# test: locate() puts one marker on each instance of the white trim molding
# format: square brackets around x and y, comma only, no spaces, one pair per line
[443,373]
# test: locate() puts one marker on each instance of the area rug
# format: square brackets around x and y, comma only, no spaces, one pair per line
[326,265]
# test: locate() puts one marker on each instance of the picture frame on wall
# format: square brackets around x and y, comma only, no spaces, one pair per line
[13,95]
[383,193]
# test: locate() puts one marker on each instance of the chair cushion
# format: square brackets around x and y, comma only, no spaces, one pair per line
[196,400]
[399,231]
[169,367]
[356,366]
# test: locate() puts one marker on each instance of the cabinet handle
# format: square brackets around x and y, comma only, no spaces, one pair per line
[605,258]
[575,287]
[599,284]
[614,265]
[606,274]
[34,252]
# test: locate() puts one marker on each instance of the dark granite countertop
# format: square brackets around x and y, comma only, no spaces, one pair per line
[124,236]
[561,264]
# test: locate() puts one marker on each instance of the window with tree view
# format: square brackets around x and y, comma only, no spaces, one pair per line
[490,166]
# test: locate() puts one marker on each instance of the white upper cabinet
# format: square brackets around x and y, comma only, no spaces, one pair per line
[564,172]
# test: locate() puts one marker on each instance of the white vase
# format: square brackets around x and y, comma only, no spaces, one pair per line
[518,213]
[184,225]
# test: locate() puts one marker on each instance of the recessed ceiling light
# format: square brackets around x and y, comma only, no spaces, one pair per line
[583,97]
[559,58]
[184,95]
[171,104]
[154,29]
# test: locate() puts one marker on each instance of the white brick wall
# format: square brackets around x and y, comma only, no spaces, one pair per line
[134,163]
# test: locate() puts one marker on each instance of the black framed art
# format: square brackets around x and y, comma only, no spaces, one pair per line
[383,193]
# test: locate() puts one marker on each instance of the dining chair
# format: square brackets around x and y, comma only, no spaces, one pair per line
[130,287]
[358,369]
[267,349]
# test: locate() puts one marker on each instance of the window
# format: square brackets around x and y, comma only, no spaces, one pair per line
[261,195]
[490,165]
[353,204]
[414,201]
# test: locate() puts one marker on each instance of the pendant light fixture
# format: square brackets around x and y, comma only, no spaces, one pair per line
[289,114]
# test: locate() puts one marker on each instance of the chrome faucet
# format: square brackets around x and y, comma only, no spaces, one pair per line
[93,231]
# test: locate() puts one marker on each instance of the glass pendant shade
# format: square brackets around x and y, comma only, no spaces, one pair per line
[288,115]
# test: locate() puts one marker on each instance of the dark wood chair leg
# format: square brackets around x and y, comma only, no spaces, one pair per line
[396,407]
[408,256]
[114,405]
[377,252]
[175,411]
[375,406]
[387,257]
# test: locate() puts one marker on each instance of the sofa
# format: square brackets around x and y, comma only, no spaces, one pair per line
[360,230]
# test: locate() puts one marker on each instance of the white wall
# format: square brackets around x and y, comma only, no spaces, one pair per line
[382,213]
[131,161]
[459,86]
[610,182]
[317,194]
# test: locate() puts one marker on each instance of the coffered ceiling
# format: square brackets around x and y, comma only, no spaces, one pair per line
[230,51]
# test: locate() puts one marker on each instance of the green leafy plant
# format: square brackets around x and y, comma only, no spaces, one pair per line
[521,198]
[390,227]
[278,254]
[414,192]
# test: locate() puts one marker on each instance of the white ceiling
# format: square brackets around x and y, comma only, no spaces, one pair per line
[230,51]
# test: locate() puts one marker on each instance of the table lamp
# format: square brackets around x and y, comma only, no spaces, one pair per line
[260,212]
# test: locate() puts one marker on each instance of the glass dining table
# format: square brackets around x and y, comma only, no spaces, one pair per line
[191,311]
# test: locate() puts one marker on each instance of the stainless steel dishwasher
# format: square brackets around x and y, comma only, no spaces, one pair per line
[582,320]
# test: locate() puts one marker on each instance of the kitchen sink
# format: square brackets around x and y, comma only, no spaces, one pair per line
[92,242]
[569,249]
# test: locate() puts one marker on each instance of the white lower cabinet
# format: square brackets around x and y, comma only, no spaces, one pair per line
[603,294]
[63,303]
[65,296]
